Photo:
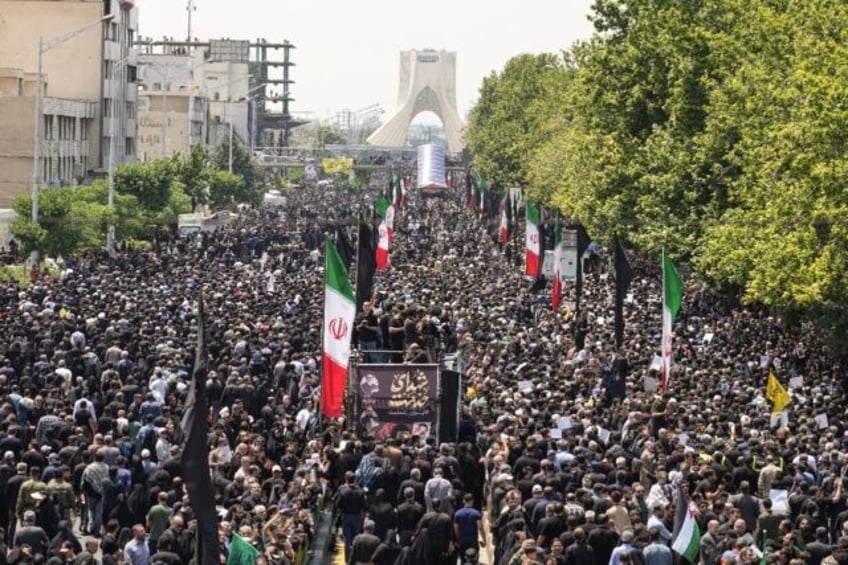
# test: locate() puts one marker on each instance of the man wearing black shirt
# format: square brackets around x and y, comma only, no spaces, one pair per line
[351,505]
[441,532]
[408,515]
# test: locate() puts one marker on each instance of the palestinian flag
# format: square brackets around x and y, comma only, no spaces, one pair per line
[556,291]
[504,228]
[382,253]
[339,312]
[687,535]
[532,264]
[672,297]
[481,196]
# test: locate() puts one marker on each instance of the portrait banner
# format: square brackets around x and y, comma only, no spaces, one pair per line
[394,400]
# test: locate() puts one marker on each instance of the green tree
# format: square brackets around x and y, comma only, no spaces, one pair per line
[226,189]
[243,165]
[149,182]
[192,170]
[505,124]
[328,135]
[73,219]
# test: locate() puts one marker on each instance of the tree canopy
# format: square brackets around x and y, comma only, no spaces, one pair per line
[712,128]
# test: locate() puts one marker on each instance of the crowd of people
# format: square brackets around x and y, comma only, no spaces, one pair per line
[565,452]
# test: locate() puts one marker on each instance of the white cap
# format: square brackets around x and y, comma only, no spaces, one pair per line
[145,453]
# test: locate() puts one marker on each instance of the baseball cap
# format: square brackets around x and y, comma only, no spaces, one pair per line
[537,488]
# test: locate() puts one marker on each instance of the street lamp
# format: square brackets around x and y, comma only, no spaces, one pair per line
[110,233]
[230,118]
[43,47]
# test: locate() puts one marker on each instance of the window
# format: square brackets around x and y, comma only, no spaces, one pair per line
[130,111]
[129,146]
[48,127]
[108,68]
[107,107]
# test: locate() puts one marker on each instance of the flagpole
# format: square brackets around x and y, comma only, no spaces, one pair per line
[666,367]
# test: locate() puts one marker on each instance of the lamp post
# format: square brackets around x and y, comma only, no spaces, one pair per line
[230,118]
[43,47]
[110,233]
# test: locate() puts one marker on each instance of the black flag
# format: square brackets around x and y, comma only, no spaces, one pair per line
[582,246]
[366,265]
[344,247]
[623,276]
[195,457]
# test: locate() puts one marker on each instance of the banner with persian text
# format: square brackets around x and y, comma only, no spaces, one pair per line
[397,400]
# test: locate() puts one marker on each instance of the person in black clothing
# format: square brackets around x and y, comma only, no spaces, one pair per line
[13,487]
[382,512]
[364,545]
[441,532]
[165,555]
[388,551]
[819,548]
[350,505]
[408,516]
[603,540]
[580,553]
[413,482]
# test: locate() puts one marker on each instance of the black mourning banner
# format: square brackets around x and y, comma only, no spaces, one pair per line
[394,400]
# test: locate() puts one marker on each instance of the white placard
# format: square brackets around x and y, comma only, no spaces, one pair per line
[651,384]
[656,363]
[796,382]
[683,439]
[779,501]
[708,337]
[764,359]
[603,435]
[556,433]
[779,419]
[564,423]
[525,386]
[821,420]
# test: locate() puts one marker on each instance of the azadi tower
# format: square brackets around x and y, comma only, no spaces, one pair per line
[427,83]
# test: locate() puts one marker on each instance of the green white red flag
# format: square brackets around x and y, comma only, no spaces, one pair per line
[532,263]
[339,312]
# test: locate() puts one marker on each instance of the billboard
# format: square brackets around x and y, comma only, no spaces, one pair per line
[431,166]
[392,400]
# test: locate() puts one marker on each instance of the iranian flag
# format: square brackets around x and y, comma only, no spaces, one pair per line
[339,311]
[556,291]
[382,253]
[386,211]
[390,221]
[687,535]
[672,297]
[504,229]
[532,263]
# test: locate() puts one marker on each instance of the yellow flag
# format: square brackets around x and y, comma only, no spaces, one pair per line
[777,394]
[343,165]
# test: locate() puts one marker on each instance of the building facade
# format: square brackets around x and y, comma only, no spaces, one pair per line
[218,77]
[88,85]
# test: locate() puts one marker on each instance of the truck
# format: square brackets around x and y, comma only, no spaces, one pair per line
[199,222]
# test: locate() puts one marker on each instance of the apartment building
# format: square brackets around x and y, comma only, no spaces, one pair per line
[88,89]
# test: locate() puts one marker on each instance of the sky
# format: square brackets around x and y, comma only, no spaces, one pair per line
[348,53]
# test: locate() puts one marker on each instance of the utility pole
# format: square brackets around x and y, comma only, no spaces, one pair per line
[190,8]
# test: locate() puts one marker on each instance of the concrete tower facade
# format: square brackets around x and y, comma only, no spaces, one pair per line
[427,83]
